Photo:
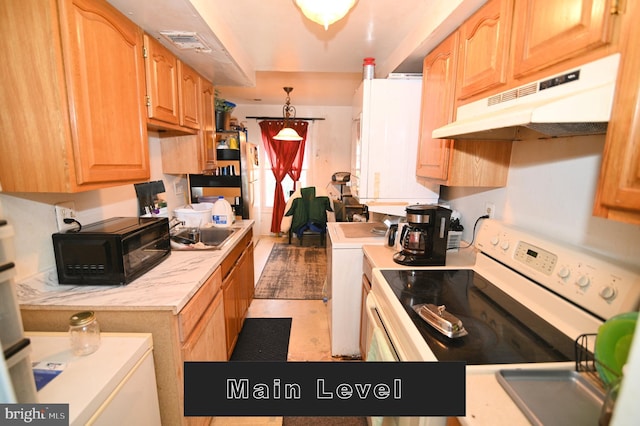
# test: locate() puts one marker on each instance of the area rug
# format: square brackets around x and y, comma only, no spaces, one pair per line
[293,272]
[263,339]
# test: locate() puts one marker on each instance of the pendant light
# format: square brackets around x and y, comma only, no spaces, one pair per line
[287,133]
[325,12]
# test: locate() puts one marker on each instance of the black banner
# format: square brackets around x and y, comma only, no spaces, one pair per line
[324,388]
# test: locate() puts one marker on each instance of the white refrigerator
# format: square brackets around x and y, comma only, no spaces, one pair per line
[384,145]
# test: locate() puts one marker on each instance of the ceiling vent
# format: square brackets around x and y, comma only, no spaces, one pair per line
[186,40]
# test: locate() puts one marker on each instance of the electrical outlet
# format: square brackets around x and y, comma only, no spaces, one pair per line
[490,209]
[65,210]
[178,189]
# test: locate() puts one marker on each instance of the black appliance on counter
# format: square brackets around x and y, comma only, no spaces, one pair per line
[111,252]
[424,237]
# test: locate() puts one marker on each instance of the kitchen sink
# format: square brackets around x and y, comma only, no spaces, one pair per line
[210,238]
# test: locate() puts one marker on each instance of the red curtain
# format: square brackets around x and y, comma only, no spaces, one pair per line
[286,158]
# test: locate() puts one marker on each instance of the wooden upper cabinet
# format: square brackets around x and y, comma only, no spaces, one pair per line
[189,87]
[453,162]
[73,96]
[195,153]
[618,195]
[484,49]
[438,88]
[161,67]
[550,31]
[208,131]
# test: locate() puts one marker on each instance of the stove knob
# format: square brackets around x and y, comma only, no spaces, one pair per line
[564,273]
[608,293]
[495,240]
[583,281]
[504,245]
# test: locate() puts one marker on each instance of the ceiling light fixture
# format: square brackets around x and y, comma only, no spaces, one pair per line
[325,12]
[287,133]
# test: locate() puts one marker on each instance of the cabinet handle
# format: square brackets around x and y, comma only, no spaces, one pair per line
[617,7]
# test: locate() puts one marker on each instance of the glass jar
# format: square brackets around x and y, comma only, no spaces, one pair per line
[84,333]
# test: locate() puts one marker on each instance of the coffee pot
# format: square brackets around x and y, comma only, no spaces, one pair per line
[423,239]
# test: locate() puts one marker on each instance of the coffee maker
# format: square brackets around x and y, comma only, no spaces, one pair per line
[424,238]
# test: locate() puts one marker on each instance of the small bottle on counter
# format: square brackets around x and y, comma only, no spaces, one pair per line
[84,333]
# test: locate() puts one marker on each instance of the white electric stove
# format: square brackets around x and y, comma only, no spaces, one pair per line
[522,304]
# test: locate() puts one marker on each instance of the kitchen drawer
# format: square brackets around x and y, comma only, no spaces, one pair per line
[195,309]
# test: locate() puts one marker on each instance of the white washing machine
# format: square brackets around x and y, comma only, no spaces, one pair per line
[344,281]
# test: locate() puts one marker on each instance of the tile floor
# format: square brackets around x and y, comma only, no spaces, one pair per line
[309,339]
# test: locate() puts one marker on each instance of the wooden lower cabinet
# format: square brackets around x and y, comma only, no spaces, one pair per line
[207,342]
[238,290]
[231,314]
[196,333]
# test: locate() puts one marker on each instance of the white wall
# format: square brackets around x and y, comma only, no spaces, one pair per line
[550,190]
[33,219]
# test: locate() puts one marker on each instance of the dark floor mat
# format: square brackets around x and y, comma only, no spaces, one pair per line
[263,339]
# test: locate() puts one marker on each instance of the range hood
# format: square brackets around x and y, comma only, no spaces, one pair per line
[575,102]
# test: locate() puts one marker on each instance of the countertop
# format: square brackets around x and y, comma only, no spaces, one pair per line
[168,286]
[381,256]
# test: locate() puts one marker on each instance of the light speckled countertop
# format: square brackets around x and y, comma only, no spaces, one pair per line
[168,286]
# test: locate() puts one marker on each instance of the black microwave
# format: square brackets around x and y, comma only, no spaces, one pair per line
[111,252]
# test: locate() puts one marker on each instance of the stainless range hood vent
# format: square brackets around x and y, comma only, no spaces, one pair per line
[572,103]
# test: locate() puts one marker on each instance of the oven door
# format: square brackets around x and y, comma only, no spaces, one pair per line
[380,347]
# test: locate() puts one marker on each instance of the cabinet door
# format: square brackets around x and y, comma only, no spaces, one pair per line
[102,53]
[438,86]
[189,96]
[484,49]
[207,343]
[208,131]
[618,195]
[550,31]
[232,326]
[161,68]
[245,267]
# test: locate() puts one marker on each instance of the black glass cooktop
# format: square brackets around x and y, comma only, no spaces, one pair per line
[500,329]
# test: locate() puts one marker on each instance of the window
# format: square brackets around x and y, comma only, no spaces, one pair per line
[287,182]
[269,185]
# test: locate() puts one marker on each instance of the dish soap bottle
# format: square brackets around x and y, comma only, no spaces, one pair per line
[222,213]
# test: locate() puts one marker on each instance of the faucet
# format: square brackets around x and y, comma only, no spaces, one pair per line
[177,223]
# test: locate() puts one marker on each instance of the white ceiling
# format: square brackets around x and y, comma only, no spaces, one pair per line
[260,46]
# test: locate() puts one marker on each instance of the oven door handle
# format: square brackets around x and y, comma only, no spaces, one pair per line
[380,348]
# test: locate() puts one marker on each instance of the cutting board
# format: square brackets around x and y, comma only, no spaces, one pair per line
[364,230]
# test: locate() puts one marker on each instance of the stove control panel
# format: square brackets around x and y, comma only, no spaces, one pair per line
[595,283]
[535,257]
